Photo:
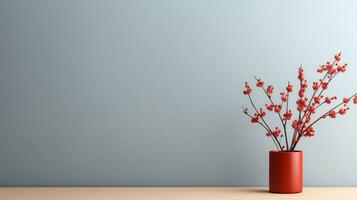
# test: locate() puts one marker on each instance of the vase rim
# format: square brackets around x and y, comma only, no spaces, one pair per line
[276,151]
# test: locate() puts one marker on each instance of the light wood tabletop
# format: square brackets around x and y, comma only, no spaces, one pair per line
[171,193]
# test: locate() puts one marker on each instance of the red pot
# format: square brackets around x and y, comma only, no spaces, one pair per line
[285,172]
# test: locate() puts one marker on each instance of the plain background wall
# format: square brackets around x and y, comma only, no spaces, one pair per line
[150,92]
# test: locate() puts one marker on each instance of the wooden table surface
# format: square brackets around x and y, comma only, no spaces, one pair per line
[168,193]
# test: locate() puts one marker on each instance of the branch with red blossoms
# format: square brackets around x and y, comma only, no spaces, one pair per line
[316,87]
[277,108]
[331,72]
[260,115]
[331,113]
[306,108]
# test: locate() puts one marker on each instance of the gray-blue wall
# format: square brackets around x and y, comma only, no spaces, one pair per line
[149,92]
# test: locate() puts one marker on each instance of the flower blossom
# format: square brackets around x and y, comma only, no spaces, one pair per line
[287,115]
[269,134]
[284,97]
[289,88]
[277,132]
[301,104]
[342,68]
[332,114]
[332,71]
[301,74]
[342,111]
[270,107]
[315,86]
[262,112]
[311,109]
[277,108]
[260,83]
[296,123]
[309,132]
[248,89]
[274,133]
[255,119]
[324,85]
[307,120]
[303,88]
[270,89]
[345,100]
[317,100]
[338,57]
[328,99]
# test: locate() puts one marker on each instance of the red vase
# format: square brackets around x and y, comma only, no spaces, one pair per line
[285,172]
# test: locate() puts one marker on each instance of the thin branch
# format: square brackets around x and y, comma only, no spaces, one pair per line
[286,120]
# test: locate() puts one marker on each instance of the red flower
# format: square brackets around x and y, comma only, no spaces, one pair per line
[346,100]
[262,112]
[355,100]
[332,71]
[311,109]
[342,111]
[277,108]
[284,98]
[307,120]
[269,134]
[309,132]
[338,57]
[270,89]
[274,133]
[301,93]
[260,83]
[324,85]
[301,104]
[315,86]
[304,84]
[287,115]
[317,100]
[332,114]
[301,74]
[289,88]
[247,90]
[255,119]
[303,88]
[270,107]
[342,68]
[277,132]
[320,70]
[329,100]
[296,123]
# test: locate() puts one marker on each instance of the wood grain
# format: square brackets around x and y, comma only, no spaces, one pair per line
[170,193]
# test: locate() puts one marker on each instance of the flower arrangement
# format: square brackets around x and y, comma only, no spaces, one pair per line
[304,122]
